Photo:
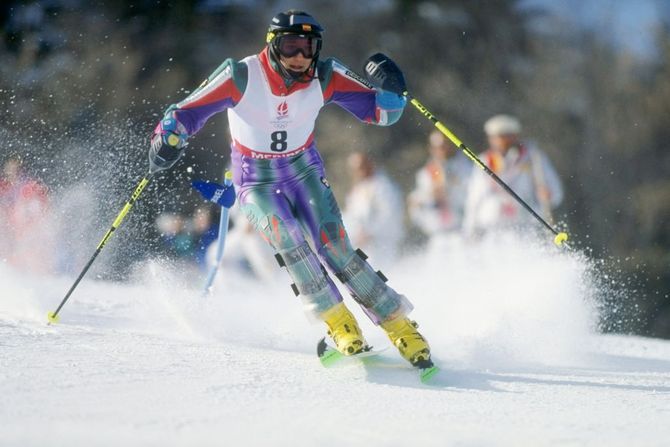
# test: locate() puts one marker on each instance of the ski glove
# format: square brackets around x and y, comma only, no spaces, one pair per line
[384,74]
[219,194]
[167,144]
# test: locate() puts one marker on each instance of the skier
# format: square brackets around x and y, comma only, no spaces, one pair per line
[273,99]
[523,167]
[373,210]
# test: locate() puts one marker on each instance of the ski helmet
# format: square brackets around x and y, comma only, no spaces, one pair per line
[290,33]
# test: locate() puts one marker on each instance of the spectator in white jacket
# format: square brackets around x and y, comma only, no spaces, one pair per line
[525,168]
[373,212]
[436,204]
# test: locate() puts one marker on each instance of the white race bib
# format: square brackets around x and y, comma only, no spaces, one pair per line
[263,125]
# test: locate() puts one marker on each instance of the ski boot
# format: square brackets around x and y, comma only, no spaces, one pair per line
[411,344]
[343,329]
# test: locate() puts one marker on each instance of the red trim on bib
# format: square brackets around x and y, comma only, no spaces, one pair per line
[247,152]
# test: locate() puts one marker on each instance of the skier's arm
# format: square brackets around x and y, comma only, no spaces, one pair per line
[345,88]
[223,89]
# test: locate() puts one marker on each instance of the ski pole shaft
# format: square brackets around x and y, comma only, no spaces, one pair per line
[560,237]
[221,242]
[53,316]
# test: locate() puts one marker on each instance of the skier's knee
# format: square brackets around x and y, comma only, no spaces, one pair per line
[335,248]
[274,230]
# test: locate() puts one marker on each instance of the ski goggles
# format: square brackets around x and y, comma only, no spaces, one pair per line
[290,45]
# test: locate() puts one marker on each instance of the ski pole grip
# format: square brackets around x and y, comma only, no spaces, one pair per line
[228,178]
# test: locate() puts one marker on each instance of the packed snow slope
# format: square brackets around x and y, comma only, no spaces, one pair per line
[152,363]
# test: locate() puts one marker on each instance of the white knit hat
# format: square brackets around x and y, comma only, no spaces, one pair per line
[502,125]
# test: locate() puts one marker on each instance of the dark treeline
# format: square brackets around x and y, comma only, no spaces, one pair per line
[73,70]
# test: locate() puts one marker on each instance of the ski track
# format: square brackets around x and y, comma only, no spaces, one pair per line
[151,363]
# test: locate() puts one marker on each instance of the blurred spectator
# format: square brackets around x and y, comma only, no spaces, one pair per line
[176,240]
[525,168]
[373,212]
[25,239]
[437,202]
[28,32]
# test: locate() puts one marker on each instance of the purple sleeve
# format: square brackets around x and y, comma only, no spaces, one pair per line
[346,89]
[194,118]
[219,92]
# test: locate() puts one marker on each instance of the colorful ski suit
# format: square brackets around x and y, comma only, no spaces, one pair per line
[279,175]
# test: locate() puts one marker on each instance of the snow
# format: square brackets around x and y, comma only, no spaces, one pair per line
[152,363]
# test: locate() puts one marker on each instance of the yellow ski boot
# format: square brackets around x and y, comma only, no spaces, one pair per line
[411,344]
[343,329]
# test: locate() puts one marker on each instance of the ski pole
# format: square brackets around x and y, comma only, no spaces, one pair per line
[53,316]
[560,237]
[221,241]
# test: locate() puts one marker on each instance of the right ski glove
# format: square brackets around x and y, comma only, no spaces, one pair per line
[384,74]
[167,144]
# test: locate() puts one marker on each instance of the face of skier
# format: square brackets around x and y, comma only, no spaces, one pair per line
[297,63]
[502,143]
[296,51]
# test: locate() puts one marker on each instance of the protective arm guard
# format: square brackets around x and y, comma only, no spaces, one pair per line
[389,107]
[167,143]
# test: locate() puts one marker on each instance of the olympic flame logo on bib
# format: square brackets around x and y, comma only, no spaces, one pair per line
[282,110]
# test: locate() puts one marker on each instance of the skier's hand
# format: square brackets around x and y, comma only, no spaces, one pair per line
[384,74]
[167,144]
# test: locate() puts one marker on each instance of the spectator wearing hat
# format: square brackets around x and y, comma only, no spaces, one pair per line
[524,167]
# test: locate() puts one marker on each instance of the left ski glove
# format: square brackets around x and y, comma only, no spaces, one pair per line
[167,144]
[219,194]
[384,74]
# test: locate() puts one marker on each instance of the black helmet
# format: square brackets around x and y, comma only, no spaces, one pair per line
[295,23]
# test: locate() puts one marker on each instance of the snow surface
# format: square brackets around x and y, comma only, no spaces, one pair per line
[151,363]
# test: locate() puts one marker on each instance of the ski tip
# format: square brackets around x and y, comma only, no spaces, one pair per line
[52,318]
[428,373]
[321,347]
[327,356]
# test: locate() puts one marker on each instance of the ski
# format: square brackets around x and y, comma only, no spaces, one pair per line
[329,356]
[427,373]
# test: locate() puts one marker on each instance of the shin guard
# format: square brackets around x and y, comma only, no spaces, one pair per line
[379,301]
[311,282]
